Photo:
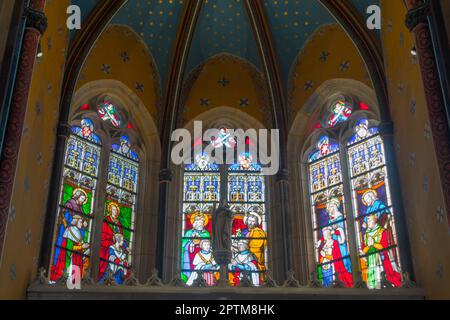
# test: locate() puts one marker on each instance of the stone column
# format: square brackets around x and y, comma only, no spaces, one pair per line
[35,26]
[165,179]
[282,197]
[417,21]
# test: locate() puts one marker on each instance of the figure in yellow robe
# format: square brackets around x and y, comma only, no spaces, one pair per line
[257,238]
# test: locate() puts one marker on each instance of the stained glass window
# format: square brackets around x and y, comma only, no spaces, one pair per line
[108,112]
[246,197]
[328,214]
[201,195]
[367,180]
[74,221]
[339,113]
[119,217]
[372,203]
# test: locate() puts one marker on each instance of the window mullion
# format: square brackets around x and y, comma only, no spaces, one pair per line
[99,209]
[350,216]
[223,184]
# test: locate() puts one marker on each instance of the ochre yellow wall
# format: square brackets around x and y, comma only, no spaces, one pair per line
[28,205]
[245,82]
[309,66]
[139,68]
[422,195]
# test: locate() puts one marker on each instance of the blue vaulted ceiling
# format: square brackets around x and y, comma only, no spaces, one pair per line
[292,22]
[156,21]
[223,26]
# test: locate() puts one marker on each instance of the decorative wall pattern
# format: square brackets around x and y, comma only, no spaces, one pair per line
[120,54]
[225,81]
[422,196]
[324,51]
[25,225]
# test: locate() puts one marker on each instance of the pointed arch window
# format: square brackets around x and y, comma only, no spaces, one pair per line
[350,197]
[372,203]
[98,173]
[242,187]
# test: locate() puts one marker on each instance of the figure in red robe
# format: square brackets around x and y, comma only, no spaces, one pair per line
[330,258]
[111,226]
[75,252]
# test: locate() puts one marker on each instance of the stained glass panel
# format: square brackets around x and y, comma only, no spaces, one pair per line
[108,112]
[339,113]
[201,195]
[74,222]
[249,243]
[375,223]
[329,216]
[246,196]
[323,149]
[119,217]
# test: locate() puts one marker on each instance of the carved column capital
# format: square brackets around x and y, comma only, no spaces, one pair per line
[386,128]
[63,130]
[165,175]
[282,175]
[36,20]
[418,13]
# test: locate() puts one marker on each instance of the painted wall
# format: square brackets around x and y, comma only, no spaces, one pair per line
[422,195]
[120,54]
[27,212]
[333,55]
[225,81]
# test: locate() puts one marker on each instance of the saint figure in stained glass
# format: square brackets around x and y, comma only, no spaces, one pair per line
[111,228]
[72,242]
[190,245]
[375,222]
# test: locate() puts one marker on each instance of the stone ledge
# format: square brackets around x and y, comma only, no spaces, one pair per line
[46,292]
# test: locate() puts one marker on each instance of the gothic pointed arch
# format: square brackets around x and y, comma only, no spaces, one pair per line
[104,180]
[337,171]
